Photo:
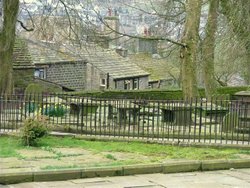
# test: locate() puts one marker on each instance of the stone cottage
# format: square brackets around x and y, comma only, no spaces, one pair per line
[163,74]
[74,69]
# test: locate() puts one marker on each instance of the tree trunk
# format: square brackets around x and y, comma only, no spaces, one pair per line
[7,40]
[208,49]
[188,54]
[248,63]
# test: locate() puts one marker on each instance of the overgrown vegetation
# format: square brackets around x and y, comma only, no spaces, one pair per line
[33,129]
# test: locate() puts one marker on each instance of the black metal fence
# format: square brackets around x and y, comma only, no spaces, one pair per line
[198,120]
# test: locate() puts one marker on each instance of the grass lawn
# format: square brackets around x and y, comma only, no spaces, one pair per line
[67,152]
[9,147]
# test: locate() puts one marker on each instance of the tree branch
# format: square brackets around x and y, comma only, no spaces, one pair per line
[24,27]
[147,38]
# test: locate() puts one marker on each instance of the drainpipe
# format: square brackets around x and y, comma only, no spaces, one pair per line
[107,80]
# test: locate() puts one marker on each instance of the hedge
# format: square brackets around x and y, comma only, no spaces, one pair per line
[156,94]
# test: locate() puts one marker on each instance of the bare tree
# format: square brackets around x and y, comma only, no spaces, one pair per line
[76,24]
[188,53]
[208,46]
[238,16]
[7,40]
[230,54]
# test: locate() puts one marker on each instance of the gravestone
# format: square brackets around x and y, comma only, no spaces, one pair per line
[243,100]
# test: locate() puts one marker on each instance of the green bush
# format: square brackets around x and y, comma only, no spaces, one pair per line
[158,94]
[133,94]
[33,129]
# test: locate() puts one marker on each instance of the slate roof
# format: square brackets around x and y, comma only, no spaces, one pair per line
[49,53]
[21,56]
[110,62]
[107,61]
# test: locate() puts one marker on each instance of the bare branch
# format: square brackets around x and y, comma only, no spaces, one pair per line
[147,38]
[70,23]
[24,27]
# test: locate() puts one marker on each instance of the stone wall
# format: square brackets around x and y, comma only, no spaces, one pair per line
[68,74]
[143,83]
[119,84]
[93,78]
[84,76]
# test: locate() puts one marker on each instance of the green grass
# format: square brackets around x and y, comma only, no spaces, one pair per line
[49,167]
[10,145]
[170,152]
[111,157]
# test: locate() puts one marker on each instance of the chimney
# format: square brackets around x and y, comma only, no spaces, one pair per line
[122,52]
[111,25]
[102,40]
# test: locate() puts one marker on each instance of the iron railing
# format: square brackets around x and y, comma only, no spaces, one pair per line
[208,121]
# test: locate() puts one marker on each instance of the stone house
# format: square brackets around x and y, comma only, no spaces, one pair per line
[74,69]
[163,74]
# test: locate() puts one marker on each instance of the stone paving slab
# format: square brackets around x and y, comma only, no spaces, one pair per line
[215,179]
[242,175]
[18,174]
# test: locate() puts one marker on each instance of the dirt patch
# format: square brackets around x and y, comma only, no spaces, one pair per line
[242,156]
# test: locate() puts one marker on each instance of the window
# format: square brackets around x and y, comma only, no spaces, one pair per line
[126,84]
[131,84]
[135,84]
[40,73]
[103,82]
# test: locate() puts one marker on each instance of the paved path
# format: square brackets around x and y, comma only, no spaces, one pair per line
[235,178]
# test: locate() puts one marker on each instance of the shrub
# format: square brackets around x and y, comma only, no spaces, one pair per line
[158,94]
[33,129]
